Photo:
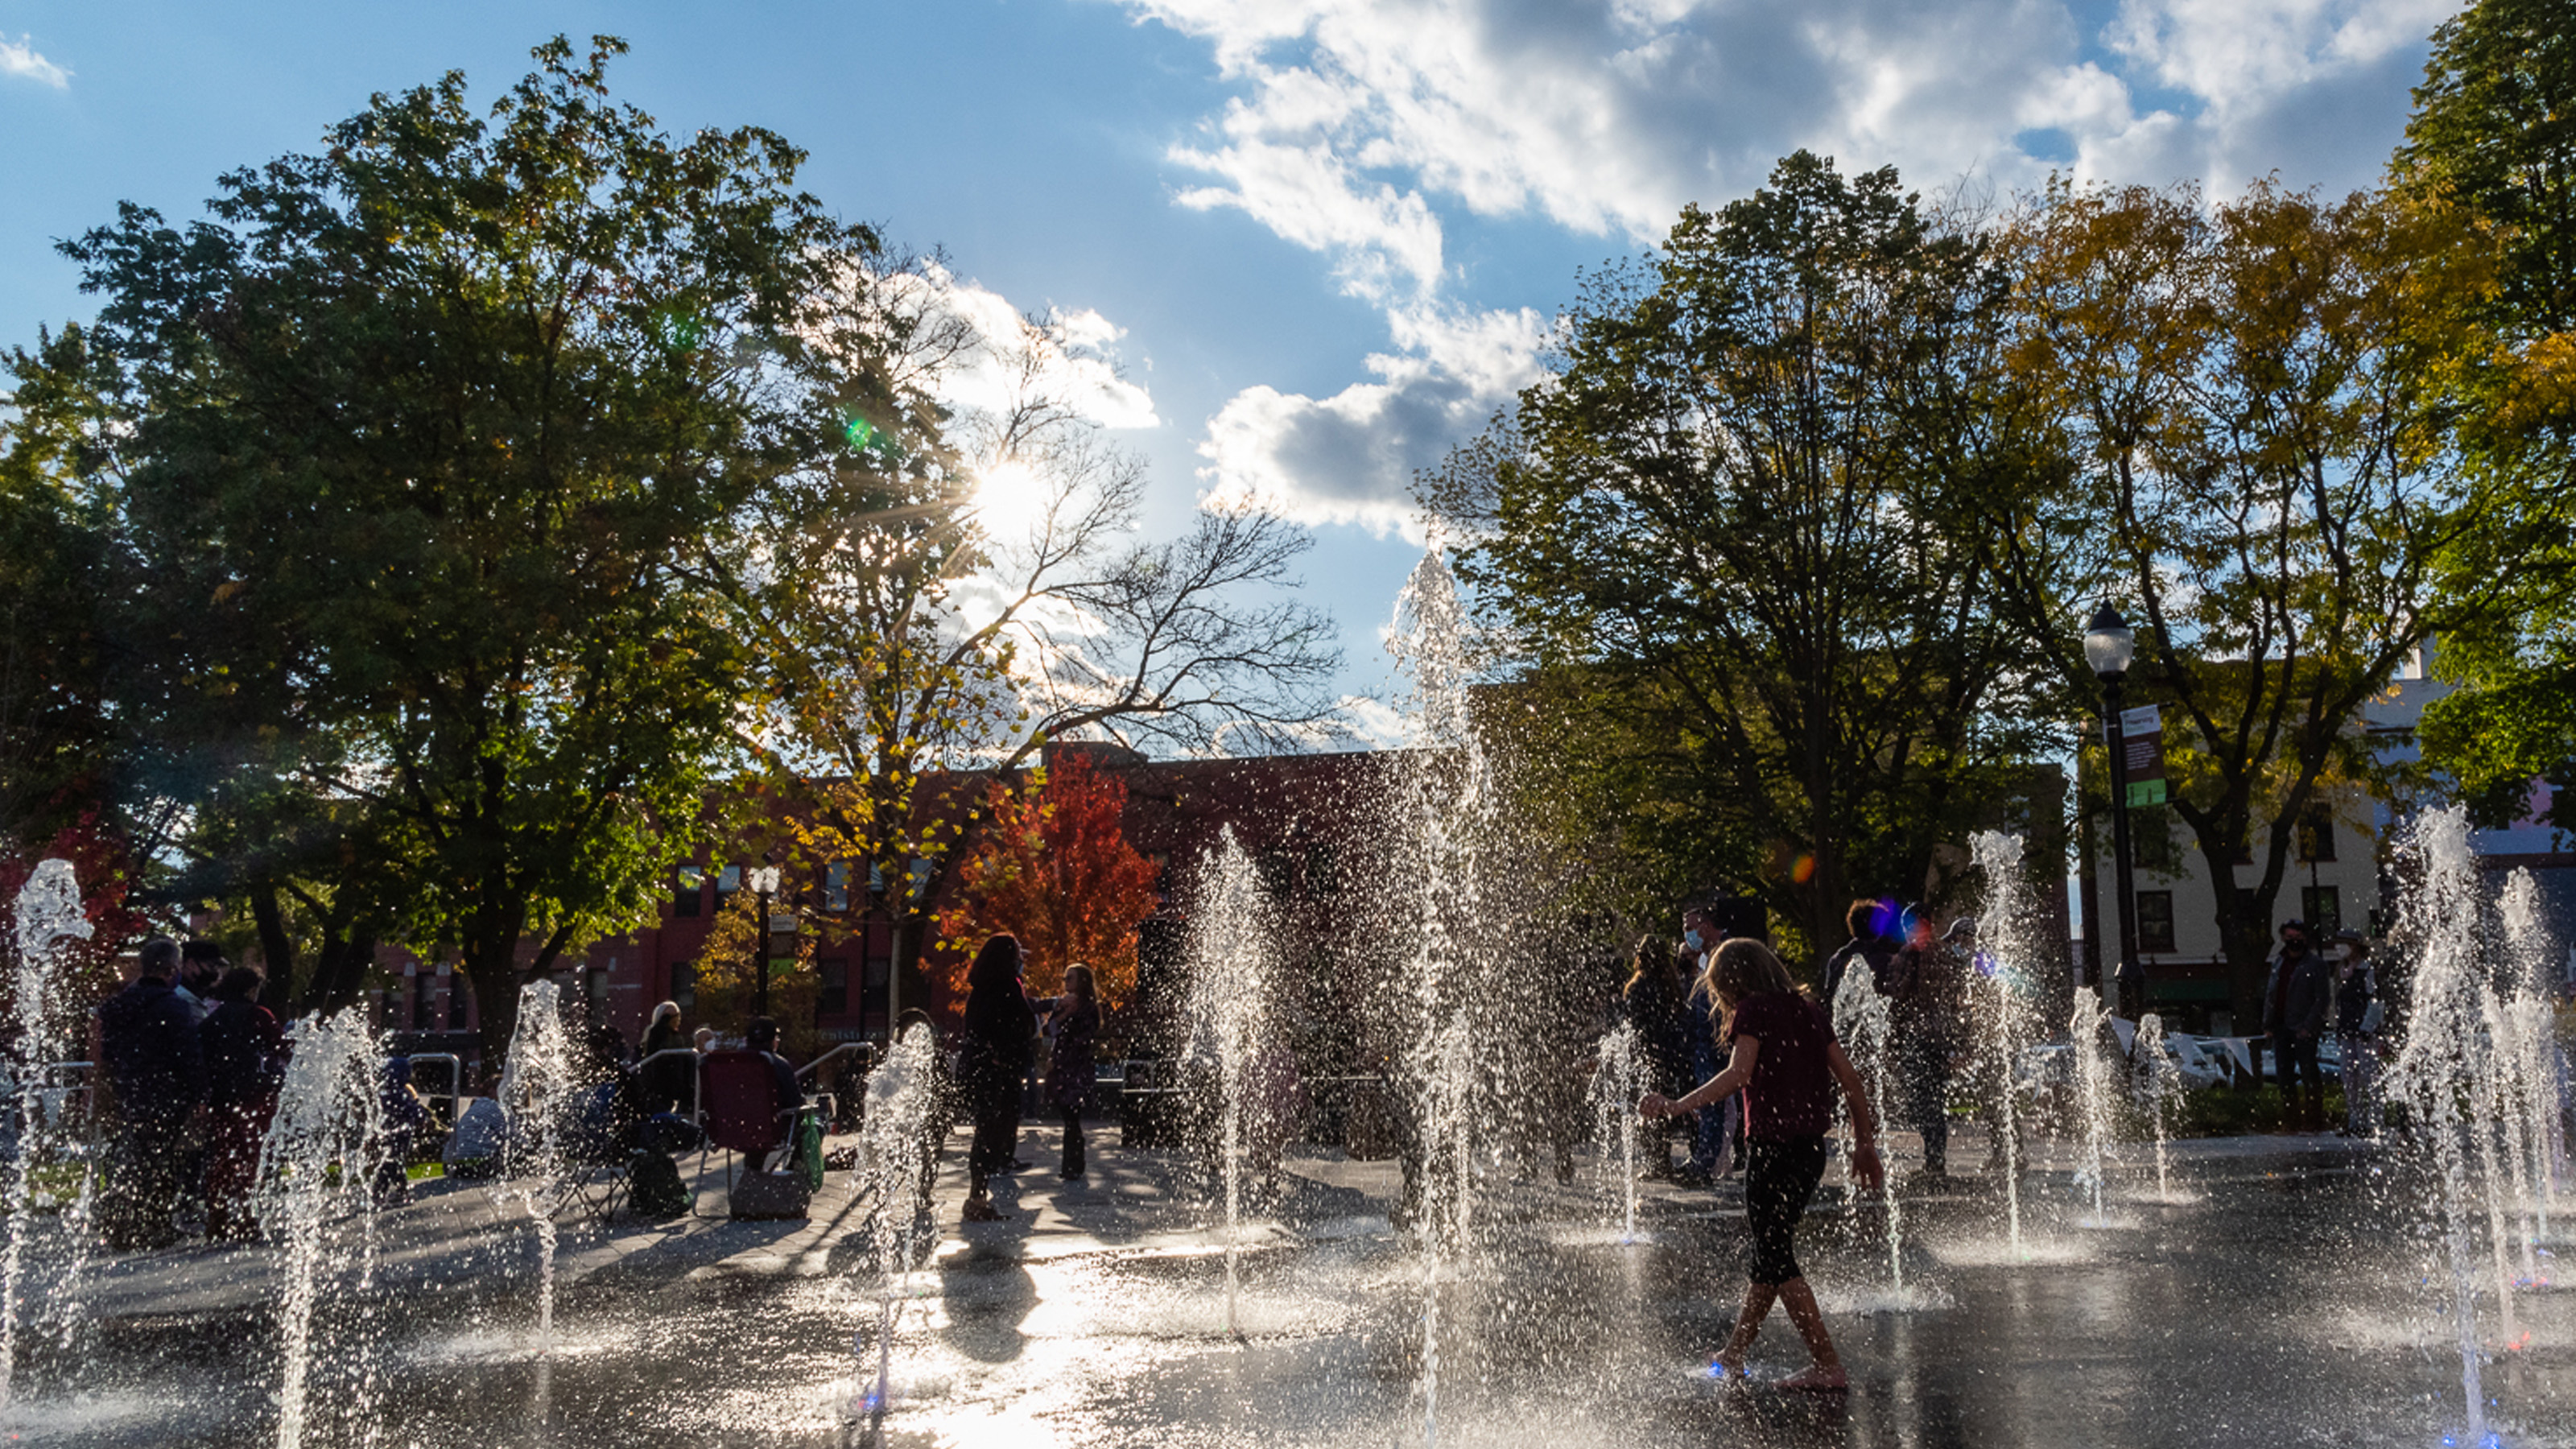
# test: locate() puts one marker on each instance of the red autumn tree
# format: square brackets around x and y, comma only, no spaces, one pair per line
[1053,867]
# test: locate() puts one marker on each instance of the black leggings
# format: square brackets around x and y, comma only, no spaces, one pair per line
[1780,1175]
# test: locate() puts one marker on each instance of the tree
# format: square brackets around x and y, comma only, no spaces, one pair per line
[440,445]
[58,736]
[2264,480]
[2493,141]
[1053,867]
[956,627]
[1744,520]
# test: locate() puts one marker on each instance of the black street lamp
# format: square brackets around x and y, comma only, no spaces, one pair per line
[2109,645]
[764,882]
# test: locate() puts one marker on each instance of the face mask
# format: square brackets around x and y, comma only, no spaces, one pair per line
[1691,939]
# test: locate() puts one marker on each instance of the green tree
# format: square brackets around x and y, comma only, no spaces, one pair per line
[1743,522]
[444,445]
[2493,140]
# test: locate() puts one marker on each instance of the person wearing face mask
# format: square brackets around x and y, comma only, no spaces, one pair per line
[1713,1129]
[2295,999]
[2357,1015]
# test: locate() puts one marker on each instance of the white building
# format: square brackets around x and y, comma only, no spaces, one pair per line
[2333,879]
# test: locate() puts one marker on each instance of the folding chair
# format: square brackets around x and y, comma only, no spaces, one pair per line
[598,1148]
[739,1111]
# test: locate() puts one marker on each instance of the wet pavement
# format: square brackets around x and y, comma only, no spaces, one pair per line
[2283,1294]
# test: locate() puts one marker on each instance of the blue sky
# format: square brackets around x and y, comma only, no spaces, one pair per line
[1324,237]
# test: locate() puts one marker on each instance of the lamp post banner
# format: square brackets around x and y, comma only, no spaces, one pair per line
[2141,743]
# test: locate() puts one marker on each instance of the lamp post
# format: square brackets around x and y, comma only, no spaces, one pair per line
[764,883]
[2109,645]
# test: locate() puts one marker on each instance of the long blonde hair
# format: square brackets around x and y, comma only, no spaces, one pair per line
[1741,968]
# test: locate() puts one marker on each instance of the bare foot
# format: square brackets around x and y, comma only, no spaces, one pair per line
[1729,1361]
[1826,1377]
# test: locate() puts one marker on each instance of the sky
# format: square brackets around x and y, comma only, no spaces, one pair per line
[1319,241]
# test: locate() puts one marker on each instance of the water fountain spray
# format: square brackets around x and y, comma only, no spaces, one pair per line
[48,914]
[894,1164]
[317,1172]
[2435,1067]
[2159,1080]
[2530,1045]
[1618,1080]
[2093,1090]
[536,1092]
[1441,815]
[1229,1008]
[2009,926]
[1864,1023]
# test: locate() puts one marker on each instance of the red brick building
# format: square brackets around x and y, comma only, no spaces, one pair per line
[1304,819]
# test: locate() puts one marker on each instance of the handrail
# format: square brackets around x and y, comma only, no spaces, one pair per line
[455,1079]
[841,1050]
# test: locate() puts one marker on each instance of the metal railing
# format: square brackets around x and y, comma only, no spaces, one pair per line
[455,1093]
[697,1089]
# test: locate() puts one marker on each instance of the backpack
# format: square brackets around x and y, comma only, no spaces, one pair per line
[654,1186]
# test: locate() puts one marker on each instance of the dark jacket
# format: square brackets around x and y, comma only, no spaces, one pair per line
[996,1052]
[665,1085]
[2353,995]
[149,1037]
[2302,1007]
[1071,1070]
[245,1054]
[1661,1017]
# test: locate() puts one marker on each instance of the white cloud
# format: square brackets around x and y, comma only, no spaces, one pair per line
[19,58]
[1351,458]
[1068,356]
[1358,125]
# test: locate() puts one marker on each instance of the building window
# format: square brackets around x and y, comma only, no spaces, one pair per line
[2316,834]
[728,881]
[2155,921]
[684,984]
[880,971]
[457,997]
[836,886]
[420,1003]
[2322,908]
[688,890]
[834,998]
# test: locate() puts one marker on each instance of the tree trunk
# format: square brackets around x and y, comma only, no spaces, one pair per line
[338,973]
[276,949]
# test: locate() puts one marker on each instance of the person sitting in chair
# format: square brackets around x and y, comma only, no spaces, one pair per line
[787,1096]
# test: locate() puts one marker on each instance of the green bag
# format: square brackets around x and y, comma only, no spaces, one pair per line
[809,1149]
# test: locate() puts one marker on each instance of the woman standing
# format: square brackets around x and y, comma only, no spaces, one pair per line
[991,1063]
[245,1055]
[1075,1025]
[1786,1062]
[1655,1003]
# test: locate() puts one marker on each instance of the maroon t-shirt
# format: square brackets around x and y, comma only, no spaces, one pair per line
[1792,1091]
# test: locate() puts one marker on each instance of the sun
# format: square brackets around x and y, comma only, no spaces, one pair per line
[1010,495]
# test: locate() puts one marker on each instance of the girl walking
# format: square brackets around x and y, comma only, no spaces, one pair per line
[1784,1059]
